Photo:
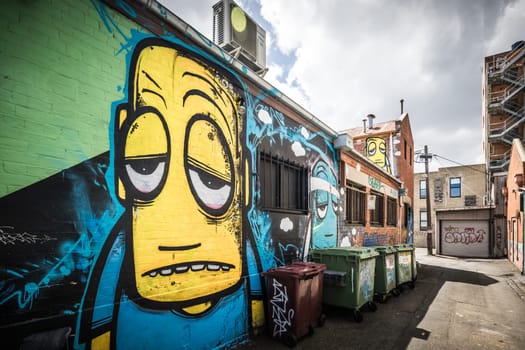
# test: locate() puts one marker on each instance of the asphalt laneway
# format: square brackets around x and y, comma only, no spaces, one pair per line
[456,304]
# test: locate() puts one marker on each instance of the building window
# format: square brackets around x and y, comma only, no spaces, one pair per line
[377,215]
[423,189]
[284,185]
[405,150]
[355,204]
[455,187]
[391,211]
[423,221]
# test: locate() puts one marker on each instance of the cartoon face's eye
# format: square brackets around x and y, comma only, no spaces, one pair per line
[335,205]
[321,204]
[146,154]
[209,165]
[382,148]
[321,211]
[213,191]
[146,174]
[372,147]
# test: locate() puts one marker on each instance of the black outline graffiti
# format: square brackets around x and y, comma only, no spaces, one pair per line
[469,235]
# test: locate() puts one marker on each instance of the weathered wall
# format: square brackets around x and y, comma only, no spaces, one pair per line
[514,212]
[360,171]
[129,187]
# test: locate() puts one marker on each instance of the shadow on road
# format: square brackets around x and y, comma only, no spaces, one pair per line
[431,279]
[394,323]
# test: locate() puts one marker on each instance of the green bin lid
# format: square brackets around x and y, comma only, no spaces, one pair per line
[385,249]
[361,252]
[403,247]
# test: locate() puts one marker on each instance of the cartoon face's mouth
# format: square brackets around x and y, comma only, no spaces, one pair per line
[185,267]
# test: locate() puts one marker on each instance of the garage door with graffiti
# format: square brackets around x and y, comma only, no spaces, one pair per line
[465,238]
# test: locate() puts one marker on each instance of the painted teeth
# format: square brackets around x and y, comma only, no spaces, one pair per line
[181,269]
[168,271]
[213,267]
[197,267]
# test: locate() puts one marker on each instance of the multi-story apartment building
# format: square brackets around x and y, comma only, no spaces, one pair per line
[503,120]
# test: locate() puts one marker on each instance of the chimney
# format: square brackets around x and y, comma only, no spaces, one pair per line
[401,101]
[371,118]
[364,126]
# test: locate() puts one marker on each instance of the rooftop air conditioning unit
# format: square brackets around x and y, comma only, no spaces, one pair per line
[344,141]
[240,36]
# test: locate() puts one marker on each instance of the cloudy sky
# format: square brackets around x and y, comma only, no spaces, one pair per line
[344,59]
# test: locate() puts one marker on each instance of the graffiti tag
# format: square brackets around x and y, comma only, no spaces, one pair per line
[468,236]
[8,236]
[282,318]
[375,183]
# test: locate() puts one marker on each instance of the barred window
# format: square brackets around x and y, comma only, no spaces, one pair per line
[377,215]
[355,203]
[284,185]
[391,211]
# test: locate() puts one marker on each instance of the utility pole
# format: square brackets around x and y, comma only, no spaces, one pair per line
[429,211]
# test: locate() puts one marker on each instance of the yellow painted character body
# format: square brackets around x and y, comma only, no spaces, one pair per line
[180,176]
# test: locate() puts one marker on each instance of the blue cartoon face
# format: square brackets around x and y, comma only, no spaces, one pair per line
[325,202]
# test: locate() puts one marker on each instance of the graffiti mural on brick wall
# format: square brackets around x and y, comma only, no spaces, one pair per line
[165,230]
[282,237]
[469,235]
[324,206]
[376,151]
[177,251]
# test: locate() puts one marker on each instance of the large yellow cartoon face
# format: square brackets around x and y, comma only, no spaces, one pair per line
[181,180]
[376,152]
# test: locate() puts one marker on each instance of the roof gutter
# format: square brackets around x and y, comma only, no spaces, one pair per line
[166,15]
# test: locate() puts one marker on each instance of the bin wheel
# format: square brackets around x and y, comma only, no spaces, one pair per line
[396,292]
[358,316]
[289,339]
[322,320]
[372,306]
[382,298]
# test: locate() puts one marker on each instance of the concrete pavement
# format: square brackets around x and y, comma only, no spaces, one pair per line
[456,304]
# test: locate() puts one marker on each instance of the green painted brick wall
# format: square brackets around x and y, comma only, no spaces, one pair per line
[60,72]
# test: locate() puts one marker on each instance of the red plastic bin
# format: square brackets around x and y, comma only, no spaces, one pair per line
[294,300]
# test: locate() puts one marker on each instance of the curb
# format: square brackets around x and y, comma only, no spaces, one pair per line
[518,286]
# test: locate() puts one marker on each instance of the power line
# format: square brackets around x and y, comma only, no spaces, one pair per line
[453,161]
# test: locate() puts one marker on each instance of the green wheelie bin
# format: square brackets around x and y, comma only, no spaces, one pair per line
[349,277]
[385,274]
[404,265]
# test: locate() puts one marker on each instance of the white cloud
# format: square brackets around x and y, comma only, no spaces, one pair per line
[343,59]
